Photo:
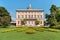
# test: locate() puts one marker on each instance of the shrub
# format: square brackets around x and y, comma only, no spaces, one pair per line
[36,22]
[19,30]
[12,29]
[41,29]
[52,30]
[23,22]
[6,31]
[56,27]
[37,29]
[30,31]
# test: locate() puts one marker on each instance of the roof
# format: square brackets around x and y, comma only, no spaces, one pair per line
[19,10]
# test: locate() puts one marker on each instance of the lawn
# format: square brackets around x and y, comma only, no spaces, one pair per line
[14,35]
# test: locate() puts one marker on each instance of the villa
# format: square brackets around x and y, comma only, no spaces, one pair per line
[30,15]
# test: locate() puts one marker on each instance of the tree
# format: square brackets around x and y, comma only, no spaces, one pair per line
[48,17]
[51,19]
[54,18]
[5,17]
[58,15]
[36,22]
[23,22]
[53,11]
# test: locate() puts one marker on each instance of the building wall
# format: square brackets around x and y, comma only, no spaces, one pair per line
[22,15]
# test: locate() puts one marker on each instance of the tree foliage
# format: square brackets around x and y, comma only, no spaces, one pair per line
[58,15]
[36,22]
[5,17]
[23,22]
[54,18]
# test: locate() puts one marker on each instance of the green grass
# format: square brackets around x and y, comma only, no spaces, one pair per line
[46,35]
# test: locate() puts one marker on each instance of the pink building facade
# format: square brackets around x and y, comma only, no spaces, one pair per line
[30,16]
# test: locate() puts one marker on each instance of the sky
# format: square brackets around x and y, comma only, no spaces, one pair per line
[13,5]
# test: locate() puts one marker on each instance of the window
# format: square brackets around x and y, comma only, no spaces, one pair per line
[18,16]
[22,16]
[28,22]
[40,22]
[35,16]
[31,16]
[41,16]
[18,22]
[28,16]
[25,16]
[38,16]
[32,22]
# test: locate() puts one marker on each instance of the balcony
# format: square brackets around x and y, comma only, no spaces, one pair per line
[30,18]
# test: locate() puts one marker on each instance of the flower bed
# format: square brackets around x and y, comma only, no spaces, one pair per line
[6,31]
[30,31]
[41,29]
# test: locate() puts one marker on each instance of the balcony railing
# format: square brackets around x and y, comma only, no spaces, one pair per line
[30,18]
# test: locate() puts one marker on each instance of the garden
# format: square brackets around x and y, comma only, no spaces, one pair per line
[29,33]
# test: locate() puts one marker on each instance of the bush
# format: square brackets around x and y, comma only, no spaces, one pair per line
[3,26]
[36,22]
[21,29]
[6,31]
[18,30]
[23,22]
[30,31]
[37,29]
[56,27]
[41,29]
[52,30]
[13,29]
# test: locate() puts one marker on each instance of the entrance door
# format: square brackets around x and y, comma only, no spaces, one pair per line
[28,23]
